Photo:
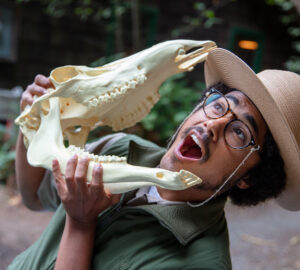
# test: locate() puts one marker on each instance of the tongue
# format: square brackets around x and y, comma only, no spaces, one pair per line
[193,152]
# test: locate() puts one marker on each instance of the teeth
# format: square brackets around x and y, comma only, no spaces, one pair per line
[181,52]
[113,95]
[129,118]
[80,152]
[132,84]
[141,78]
[101,99]
[93,102]
[195,139]
[118,92]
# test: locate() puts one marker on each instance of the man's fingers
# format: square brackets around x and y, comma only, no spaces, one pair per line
[27,99]
[81,175]
[28,95]
[56,169]
[60,183]
[36,90]
[96,187]
[43,81]
[97,174]
[70,172]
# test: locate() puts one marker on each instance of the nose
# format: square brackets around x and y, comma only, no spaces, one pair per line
[215,127]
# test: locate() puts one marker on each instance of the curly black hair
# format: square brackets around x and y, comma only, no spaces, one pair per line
[267,179]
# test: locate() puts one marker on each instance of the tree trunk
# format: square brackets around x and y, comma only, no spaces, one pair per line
[135,17]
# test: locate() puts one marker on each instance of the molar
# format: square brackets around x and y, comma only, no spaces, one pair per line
[181,52]
[132,84]
[124,89]
[113,95]
[141,78]
[93,103]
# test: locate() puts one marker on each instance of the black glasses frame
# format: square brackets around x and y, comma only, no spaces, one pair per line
[214,91]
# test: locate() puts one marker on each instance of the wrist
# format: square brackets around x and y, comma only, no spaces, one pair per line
[76,224]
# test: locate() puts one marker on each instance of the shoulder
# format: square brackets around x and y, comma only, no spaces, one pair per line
[119,144]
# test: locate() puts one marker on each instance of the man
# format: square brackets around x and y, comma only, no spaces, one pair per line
[228,140]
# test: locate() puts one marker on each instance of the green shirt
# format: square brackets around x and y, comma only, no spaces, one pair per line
[147,236]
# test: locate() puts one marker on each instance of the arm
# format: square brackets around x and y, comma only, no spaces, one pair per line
[28,177]
[83,204]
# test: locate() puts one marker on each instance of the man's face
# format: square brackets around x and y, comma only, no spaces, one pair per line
[215,160]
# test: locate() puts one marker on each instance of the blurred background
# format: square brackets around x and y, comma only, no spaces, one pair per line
[38,35]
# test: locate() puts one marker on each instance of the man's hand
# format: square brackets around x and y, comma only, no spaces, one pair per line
[29,178]
[83,201]
[37,88]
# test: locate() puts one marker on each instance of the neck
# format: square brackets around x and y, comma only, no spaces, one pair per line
[187,195]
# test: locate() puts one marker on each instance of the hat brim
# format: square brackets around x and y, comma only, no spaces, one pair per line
[223,66]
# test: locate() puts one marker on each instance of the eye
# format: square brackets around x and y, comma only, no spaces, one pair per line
[219,107]
[240,134]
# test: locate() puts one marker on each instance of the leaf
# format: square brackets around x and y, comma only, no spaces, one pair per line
[294,31]
[199,6]
[180,116]
[176,102]
[209,13]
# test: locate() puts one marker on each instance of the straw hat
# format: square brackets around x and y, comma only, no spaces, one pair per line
[276,94]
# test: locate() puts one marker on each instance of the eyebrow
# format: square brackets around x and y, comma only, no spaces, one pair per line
[247,116]
[234,99]
[252,122]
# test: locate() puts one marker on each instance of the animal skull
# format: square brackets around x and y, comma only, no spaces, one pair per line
[118,94]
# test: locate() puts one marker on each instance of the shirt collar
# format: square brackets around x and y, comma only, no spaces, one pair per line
[183,221]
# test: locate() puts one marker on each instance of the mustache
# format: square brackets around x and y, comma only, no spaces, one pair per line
[205,139]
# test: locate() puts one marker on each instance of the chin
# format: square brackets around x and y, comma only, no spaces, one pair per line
[169,162]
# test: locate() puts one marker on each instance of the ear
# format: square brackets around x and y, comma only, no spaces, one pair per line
[242,184]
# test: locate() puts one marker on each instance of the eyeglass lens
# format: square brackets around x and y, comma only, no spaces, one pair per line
[237,133]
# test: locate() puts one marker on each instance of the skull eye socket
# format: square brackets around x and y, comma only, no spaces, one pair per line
[63,74]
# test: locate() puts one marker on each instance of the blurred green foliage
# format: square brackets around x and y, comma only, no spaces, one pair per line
[176,102]
[177,96]
[107,59]
[290,19]
[84,9]
[7,152]
[204,17]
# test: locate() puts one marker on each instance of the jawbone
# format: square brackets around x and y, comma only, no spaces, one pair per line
[118,94]
[118,175]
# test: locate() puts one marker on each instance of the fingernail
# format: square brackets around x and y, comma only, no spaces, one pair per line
[86,157]
[98,166]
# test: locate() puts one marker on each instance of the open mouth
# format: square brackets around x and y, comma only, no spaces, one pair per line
[190,148]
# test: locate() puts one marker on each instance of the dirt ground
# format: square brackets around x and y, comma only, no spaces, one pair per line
[262,238]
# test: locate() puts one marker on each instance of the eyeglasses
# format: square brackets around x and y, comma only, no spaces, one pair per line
[236,133]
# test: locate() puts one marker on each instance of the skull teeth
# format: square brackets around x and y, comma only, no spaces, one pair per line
[117,92]
[135,115]
[181,52]
[74,150]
